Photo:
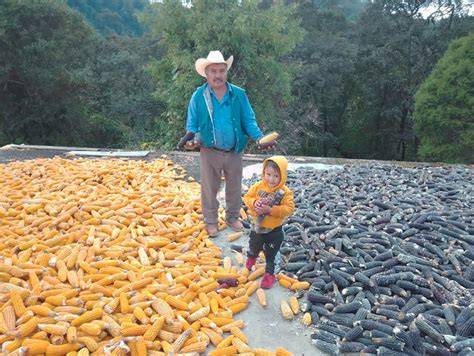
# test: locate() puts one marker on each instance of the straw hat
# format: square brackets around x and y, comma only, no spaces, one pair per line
[212,57]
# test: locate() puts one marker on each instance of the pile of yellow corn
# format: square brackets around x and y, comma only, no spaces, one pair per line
[110,257]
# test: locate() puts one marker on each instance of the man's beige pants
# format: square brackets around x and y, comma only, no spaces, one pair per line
[213,164]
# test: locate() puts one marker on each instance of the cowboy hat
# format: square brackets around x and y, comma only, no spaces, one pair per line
[212,57]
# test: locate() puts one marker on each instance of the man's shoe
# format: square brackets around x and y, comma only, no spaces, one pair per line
[236,225]
[250,262]
[268,281]
[212,230]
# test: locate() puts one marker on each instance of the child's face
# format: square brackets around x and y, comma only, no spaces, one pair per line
[271,176]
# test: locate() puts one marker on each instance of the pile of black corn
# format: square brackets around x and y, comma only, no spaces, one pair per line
[389,254]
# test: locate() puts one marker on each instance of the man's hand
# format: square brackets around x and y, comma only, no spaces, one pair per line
[268,141]
[267,146]
[188,142]
[191,146]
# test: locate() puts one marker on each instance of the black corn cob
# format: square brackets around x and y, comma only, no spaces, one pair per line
[353,333]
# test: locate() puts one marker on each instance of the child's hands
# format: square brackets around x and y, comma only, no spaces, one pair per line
[261,206]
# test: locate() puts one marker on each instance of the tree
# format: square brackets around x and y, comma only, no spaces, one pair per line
[121,94]
[112,17]
[258,37]
[323,81]
[444,106]
[44,66]
[397,48]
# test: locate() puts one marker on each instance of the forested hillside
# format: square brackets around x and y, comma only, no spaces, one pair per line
[339,78]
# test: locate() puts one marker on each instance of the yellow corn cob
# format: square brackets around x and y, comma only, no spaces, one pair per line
[238,333]
[141,347]
[88,316]
[54,350]
[173,327]
[88,342]
[90,329]
[227,263]
[54,329]
[241,292]
[256,274]
[268,138]
[124,304]
[282,276]
[306,320]
[236,308]
[202,312]
[252,288]
[69,309]
[57,339]
[112,305]
[300,285]
[176,302]
[220,301]
[281,351]
[295,307]
[229,350]
[42,310]
[167,336]
[197,347]
[83,352]
[34,280]
[234,236]
[9,318]
[27,328]
[286,310]
[179,342]
[62,270]
[35,347]
[154,329]
[214,305]
[261,297]
[10,346]
[204,299]
[238,323]
[140,315]
[17,303]
[225,342]
[220,321]
[73,279]
[163,308]
[111,325]
[240,345]
[59,299]
[135,330]
[213,336]
[242,299]
[71,334]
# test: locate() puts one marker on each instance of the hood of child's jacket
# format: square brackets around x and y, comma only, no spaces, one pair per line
[282,163]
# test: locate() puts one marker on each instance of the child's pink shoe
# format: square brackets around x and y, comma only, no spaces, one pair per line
[250,262]
[268,281]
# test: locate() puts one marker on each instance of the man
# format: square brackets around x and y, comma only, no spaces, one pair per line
[221,114]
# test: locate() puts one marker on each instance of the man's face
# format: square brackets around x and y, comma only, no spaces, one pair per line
[216,75]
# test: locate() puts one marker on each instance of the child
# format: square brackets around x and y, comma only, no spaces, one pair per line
[269,202]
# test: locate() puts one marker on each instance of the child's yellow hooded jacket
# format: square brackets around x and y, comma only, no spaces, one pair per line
[261,190]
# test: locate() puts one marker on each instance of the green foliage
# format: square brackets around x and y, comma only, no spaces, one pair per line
[258,37]
[322,85]
[396,49]
[122,88]
[112,17]
[44,66]
[444,106]
[64,85]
